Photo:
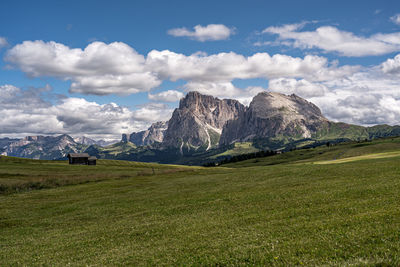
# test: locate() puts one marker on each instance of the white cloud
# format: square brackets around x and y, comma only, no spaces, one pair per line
[153,112]
[364,108]
[344,93]
[211,32]
[24,112]
[114,84]
[3,42]
[166,96]
[395,19]
[116,68]
[301,87]
[391,66]
[368,97]
[331,39]
[225,90]
[284,28]
[98,69]
[224,67]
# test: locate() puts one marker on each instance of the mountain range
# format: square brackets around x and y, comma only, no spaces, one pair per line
[205,128]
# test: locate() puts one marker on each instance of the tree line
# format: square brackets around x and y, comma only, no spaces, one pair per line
[241,157]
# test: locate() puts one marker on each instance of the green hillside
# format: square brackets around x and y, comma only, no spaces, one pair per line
[19,174]
[334,152]
[335,205]
[237,149]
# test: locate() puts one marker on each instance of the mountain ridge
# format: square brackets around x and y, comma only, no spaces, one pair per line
[204,127]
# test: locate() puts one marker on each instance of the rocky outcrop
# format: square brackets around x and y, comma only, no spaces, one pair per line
[199,120]
[43,147]
[88,141]
[85,140]
[274,115]
[148,137]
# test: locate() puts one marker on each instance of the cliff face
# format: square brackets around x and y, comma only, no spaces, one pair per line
[274,115]
[43,147]
[154,134]
[199,120]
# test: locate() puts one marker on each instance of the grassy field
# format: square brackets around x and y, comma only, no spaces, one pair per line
[238,149]
[281,210]
[323,153]
[18,174]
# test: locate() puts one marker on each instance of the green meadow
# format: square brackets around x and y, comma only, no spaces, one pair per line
[336,205]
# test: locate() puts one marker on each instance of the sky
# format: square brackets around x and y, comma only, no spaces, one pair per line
[103,68]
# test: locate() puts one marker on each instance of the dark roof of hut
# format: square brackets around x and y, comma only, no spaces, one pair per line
[78,155]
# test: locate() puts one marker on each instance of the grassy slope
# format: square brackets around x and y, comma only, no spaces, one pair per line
[18,174]
[287,214]
[238,149]
[339,151]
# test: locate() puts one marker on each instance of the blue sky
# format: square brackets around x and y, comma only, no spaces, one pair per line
[118,59]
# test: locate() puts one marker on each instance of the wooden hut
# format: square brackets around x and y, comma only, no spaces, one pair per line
[78,158]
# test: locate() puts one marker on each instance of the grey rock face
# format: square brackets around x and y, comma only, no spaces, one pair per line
[271,115]
[104,143]
[85,140]
[88,141]
[4,142]
[155,133]
[199,120]
[43,147]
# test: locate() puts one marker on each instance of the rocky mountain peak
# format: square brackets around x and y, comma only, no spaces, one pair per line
[273,114]
[195,100]
[43,147]
[269,104]
[85,140]
[155,133]
[199,120]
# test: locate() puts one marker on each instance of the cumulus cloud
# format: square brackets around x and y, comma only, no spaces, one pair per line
[368,97]
[3,42]
[152,112]
[166,96]
[211,32]
[392,65]
[331,39]
[25,112]
[395,19]
[300,87]
[98,69]
[345,93]
[116,68]
[224,67]
[366,109]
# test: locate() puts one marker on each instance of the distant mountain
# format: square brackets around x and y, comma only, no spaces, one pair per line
[88,141]
[104,143]
[155,134]
[274,115]
[85,140]
[205,128]
[6,141]
[278,121]
[43,147]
